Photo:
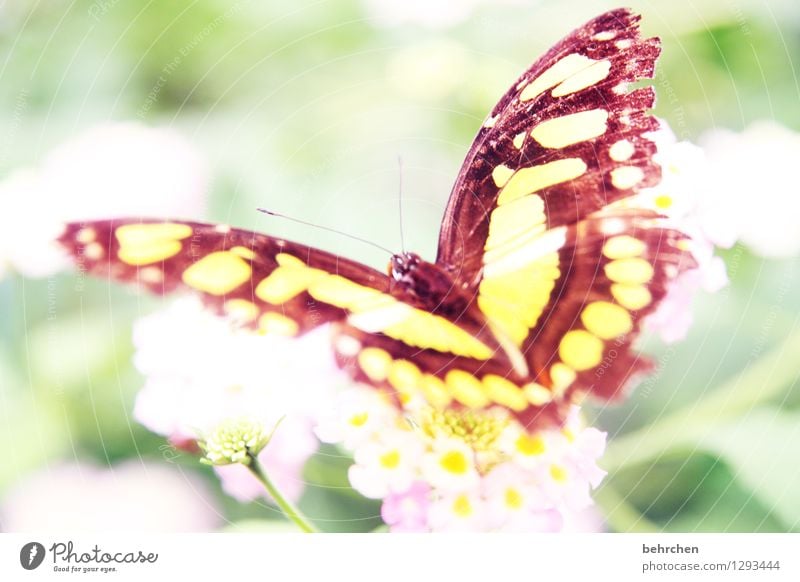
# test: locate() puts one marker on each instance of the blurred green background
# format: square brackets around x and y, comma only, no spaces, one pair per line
[304,108]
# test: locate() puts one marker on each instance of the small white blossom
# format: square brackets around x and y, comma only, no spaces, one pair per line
[751,187]
[109,171]
[234,442]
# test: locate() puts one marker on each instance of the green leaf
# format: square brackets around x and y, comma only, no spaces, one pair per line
[768,378]
[761,450]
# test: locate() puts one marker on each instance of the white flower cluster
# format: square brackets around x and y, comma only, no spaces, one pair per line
[202,372]
[464,471]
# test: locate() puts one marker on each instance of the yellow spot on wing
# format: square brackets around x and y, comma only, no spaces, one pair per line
[559,72]
[375,363]
[632,297]
[524,217]
[425,330]
[285,283]
[586,78]
[515,301]
[605,35]
[287,260]
[501,174]
[505,392]
[466,388]
[532,179]
[626,177]
[93,251]
[86,235]
[520,267]
[244,252]
[562,376]
[580,350]
[537,394]
[634,271]
[218,273]
[241,309]
[621,150]
[142,244]
[435,391]
[277,324]
[342,292]
[566,130]
[136,234]
[151,275]
[404,376]
[606,320]
[518,140]
[623,247]
[519,256]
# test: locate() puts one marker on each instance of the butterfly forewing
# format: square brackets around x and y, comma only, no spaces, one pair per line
[267,283]
[260,281]
[563,142]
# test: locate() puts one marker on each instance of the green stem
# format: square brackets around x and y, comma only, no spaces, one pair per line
[759,382]
[289,508]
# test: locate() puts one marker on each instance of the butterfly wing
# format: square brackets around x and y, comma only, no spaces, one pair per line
[531,225]
[265,283]
[613,270]
[563,142]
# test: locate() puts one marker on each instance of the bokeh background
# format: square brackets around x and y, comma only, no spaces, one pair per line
[304,108]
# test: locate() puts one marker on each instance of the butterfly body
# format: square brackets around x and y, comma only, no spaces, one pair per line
[542,279]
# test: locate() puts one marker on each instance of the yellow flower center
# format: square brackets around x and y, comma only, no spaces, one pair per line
[558,473]
[462,507]
[530,445]
[479,431]
[663,201]
[513,498]
[390,460]
[454,462]
[359,419]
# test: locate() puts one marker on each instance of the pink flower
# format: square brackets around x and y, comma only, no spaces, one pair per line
[407,512]
[465,471]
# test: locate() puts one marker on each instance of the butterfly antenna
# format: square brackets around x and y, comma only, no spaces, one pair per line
[329,229]
[400,202]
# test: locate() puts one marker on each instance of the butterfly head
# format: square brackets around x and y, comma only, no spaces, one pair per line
[402,266]
[426,282]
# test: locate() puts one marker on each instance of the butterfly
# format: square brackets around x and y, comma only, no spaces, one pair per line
[542,278]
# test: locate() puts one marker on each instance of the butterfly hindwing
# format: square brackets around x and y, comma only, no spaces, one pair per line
[616,266]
